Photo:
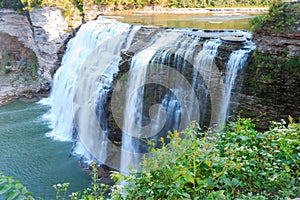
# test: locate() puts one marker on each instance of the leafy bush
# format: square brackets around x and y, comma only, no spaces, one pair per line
[13,189]
[281,18]
[240,163]
[95,191]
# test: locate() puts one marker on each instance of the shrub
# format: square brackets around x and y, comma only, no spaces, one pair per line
[240,163]
[281,18]
[13,189]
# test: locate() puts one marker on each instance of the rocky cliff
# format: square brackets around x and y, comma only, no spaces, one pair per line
[32,45]
[271,89]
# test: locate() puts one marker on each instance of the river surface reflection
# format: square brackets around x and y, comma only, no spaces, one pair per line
[27,155]
[199,21]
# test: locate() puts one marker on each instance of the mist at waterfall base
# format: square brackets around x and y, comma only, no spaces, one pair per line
[36,161]
[171,81]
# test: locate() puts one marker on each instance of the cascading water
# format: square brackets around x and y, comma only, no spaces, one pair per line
[173,79]
[61,98]
[77,103]
[96,77]
[236,62]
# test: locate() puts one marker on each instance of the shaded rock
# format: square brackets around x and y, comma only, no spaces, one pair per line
[31,50]
[51,33]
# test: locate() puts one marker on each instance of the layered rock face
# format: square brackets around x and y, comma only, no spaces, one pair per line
[271,89]
[31,50]
[278,45]
[279,35]
[51,32]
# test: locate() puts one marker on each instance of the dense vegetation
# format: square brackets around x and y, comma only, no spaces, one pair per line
[282,18]
[237,163]
[131,4]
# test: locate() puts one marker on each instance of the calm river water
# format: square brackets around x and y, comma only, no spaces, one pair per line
[37,161]
[200,21]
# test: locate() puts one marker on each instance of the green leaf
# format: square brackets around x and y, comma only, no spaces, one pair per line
[5,188]
[186,195]
[227,181]
[235,182]
[210,181]
[12,194]
[218,195]
[188,178]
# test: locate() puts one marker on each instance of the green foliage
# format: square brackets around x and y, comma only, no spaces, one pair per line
[7,70]
[256,22]
[13,189]
[280,65]
[131,4]
[34,66]
[281,18]
[95,191]
[240,163]
[29,4]
[14,4]
[61,190]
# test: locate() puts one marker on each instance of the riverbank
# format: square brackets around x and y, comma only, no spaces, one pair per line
[221,11]
[214,11]
[272,79]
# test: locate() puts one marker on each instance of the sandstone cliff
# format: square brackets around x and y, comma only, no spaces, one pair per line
[271,89]
[31,49]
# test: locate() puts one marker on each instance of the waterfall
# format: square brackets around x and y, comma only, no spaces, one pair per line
[61,98]
[172,80]
[180,105]
[132,125]
[236,62]
[82,82]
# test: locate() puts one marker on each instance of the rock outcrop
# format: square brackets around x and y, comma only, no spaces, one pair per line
[279,34]
[32,46]
[272,79]
[278,45]
[51,32]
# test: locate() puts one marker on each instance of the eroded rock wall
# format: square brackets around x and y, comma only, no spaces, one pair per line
[271,89]
[278,45]
[40,37]
[50,32]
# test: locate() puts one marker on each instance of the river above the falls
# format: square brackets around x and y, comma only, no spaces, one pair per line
[234,21]
[27,155]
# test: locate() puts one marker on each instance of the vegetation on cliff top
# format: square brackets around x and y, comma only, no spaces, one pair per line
[282,18]
[132,4]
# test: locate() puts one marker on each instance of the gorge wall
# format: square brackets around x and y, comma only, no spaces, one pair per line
[31,48]
[271,89]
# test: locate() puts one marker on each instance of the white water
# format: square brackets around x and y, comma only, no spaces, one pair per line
[236,62]
[62,94]
[96,76]
[132,125]
[82,81]
[82,84]
[180,105]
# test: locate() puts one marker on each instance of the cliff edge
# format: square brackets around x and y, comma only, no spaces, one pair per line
[271,88]
[32,45]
